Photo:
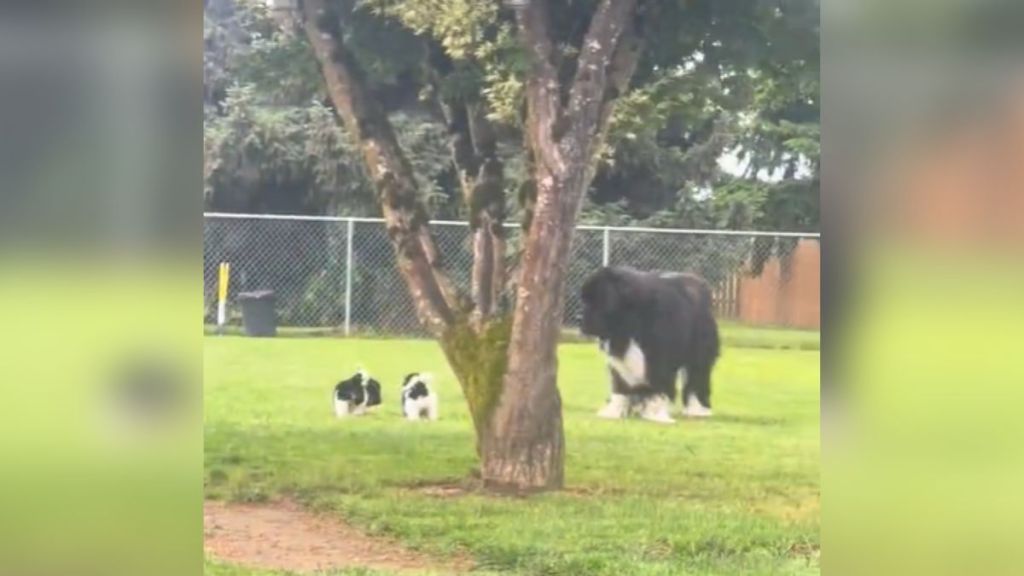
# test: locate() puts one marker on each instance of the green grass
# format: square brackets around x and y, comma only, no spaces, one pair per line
[737,494]
[742,336]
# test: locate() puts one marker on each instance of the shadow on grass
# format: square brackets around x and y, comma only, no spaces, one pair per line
[748,420]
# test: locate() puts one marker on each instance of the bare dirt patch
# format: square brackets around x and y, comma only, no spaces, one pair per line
[285,536]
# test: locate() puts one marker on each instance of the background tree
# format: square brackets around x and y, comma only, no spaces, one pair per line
[273,143]
[679,151]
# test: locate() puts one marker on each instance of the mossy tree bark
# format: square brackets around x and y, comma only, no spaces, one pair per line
[506,364]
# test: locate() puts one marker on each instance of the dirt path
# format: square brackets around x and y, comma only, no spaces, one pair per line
[284,536]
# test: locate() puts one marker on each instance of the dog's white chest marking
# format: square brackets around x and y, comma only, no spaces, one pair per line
[631,367]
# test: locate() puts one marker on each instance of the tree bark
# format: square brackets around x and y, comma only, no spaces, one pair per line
[524,445]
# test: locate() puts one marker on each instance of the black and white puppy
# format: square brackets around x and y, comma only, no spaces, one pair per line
[418,400]
[354,396]
[652,326]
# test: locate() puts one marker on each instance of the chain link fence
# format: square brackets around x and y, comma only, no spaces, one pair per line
[339,274]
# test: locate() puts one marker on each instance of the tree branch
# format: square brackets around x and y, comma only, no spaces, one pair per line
[587,98]
[620,72]
[487,215]
[474,150]
[436,299]
[544,109]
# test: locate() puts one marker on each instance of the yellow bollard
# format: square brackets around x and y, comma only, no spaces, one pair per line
[222,294]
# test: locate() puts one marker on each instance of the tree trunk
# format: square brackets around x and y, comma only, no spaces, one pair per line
[524,444]
[479,357]
[507,366]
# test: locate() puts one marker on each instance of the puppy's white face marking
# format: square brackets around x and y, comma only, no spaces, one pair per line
[631,367]
[694,409]
[341,408]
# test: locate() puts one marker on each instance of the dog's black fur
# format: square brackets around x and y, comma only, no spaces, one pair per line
[669,315]
[358,391]
[417,390]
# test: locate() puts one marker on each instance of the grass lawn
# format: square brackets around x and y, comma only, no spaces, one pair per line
[736,335]
[738,494]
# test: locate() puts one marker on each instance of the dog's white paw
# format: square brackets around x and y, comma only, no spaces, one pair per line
[662,418]
[694,409]
[617,408]
[656,409]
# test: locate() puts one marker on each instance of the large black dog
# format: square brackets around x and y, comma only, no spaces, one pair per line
[651,325]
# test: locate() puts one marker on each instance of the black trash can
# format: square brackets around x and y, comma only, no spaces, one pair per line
[258,313]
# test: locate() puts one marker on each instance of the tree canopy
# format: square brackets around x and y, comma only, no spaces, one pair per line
[719,129]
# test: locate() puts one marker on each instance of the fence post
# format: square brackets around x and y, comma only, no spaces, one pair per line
[348,278]
[606,249]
